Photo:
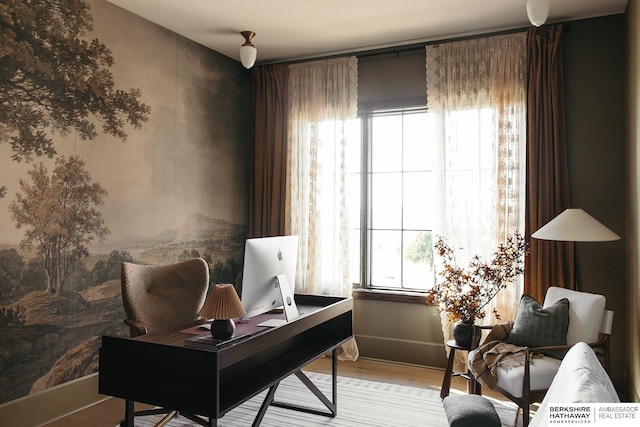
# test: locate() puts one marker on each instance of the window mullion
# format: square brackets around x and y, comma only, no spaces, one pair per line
[402,178]
[365,185]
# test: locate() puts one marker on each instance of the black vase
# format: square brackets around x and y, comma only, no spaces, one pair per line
[464,333]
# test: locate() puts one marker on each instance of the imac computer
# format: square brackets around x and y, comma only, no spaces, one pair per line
[268,277]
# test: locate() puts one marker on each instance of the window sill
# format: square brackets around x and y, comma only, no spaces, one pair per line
[391,296]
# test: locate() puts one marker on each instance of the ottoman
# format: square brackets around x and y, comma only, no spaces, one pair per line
[470,410]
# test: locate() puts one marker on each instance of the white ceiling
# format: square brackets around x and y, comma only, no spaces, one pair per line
[298,29]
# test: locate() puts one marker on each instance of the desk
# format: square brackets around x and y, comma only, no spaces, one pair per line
[159,370]
[472,385]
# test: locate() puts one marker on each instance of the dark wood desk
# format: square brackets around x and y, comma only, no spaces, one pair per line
[159,370]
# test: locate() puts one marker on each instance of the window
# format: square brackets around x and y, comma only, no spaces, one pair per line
[414,187]
[369,204]
[399,200]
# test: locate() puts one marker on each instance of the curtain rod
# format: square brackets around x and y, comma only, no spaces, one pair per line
[412,47]
[418,46]
[394,49]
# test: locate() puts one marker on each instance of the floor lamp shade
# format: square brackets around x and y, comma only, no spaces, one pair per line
[575,225]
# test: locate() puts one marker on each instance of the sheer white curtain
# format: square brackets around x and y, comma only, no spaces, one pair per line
[476,96]
[323,137]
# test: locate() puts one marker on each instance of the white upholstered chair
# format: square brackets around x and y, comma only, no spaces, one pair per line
[589,322]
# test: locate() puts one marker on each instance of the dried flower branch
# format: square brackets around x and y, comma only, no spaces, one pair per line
[463,294]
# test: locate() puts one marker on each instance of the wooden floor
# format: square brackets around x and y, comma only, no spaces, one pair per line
[110,412]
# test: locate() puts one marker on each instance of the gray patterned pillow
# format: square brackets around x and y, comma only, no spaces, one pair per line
[536,326]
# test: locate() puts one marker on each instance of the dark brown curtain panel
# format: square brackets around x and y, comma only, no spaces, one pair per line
[549,263]
[267,189]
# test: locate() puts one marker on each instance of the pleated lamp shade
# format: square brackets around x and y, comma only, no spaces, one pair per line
[222,305]
[575,225]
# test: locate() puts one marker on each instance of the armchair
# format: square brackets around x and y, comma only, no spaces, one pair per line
[588,322]
[156,298]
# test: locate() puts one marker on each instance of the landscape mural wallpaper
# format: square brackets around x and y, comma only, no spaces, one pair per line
[119,141]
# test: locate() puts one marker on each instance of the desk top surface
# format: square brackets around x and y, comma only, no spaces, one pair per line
[250,328]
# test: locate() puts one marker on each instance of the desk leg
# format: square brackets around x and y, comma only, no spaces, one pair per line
[334,380]
[128,414]
[268,400]
[446,381]
[331,405]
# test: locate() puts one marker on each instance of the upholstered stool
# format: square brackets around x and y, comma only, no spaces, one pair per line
[470,410]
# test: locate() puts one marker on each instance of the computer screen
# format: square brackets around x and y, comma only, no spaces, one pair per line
[264,260]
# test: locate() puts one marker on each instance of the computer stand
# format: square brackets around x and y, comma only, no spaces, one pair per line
[288,302]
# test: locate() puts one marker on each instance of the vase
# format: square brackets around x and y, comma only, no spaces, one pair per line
[464,333]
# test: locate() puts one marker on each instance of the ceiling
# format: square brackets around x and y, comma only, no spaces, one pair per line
[299,29]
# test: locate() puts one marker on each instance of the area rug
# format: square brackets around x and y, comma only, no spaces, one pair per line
[360,403]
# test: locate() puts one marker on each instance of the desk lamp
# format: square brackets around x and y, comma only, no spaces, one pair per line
[222,305]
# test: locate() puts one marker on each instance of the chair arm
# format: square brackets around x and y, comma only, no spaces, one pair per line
[549,348]
[600,348]
[599,344]
[603,340]
[135,328]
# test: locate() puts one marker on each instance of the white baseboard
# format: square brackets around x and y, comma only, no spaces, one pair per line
[51,404]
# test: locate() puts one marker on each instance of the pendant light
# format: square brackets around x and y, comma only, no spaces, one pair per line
[248,52]
[538,11]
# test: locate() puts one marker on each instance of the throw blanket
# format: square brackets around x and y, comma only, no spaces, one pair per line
[484,360]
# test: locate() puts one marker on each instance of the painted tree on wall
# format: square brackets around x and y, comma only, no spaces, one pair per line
[53,79]
[60,215]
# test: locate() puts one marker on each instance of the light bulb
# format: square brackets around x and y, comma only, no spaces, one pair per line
[538,11]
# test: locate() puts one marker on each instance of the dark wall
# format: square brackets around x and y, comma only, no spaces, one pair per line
[594,61]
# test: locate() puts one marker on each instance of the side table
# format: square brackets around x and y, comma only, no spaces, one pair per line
[472,385]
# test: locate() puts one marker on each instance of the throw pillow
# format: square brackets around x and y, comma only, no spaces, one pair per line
[536,326]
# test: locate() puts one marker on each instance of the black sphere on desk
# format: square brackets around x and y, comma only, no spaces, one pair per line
[222,329]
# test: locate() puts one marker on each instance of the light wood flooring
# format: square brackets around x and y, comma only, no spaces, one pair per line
[109,412]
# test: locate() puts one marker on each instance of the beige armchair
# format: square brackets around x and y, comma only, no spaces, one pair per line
[588,322]
[156,298]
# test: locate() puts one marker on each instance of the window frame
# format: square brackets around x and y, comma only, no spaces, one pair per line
[365,289]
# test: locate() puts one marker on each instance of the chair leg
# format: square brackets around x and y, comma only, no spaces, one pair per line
[165,420]
[525,415]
